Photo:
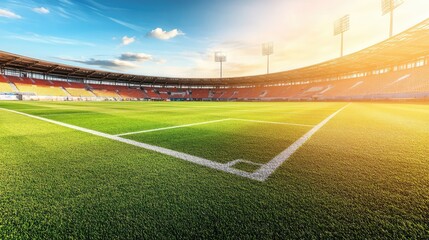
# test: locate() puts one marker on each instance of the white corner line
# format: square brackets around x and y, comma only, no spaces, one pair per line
[173,127]
[260,175]
[169,152]
[232,163]
[267,169]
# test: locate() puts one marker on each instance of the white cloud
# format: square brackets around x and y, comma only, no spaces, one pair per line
[128,40]
[8,14]
[125,62]
[50,40]
[115,64]
[138,57]
[160,61]
[41,10]
[125,24]
[164,35]
[66,2]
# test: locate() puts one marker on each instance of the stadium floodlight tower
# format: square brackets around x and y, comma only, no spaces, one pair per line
[388,6]
[220,57]
[267,50]
[341,26]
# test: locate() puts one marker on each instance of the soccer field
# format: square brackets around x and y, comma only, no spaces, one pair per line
[124,170]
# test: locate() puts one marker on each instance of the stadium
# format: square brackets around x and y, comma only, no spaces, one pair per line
[332,150]
[359,76]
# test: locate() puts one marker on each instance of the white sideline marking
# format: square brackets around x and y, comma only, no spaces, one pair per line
[259,175]
[280,123]
[172,127]
[267,169]
[209,122]
[60,114]
[169,152]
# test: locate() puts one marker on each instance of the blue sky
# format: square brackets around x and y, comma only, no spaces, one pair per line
[179,37]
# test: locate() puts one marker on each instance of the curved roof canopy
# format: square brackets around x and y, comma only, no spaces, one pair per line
[404,47]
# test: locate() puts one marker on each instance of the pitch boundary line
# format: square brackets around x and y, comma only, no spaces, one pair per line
[173,127]
[267,169]
[232,163]
[209,122]
[269,122]
[259,175]
[169,152]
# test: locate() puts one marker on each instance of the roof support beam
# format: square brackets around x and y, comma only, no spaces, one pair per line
[73,72]
[106,76]
[53,69]
[90,74]
[9,62]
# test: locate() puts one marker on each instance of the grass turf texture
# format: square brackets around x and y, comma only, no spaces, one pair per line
[363,175]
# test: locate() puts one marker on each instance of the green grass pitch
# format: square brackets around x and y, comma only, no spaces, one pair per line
[365,174]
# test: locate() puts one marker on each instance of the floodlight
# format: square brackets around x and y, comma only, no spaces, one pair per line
[340,27]
[267,50]
[388,6]
[220,57]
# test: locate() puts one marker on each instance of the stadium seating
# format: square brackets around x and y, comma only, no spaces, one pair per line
[41,90]
[22,80]
[5,87]
[408,82]
[79,92]
[37,87]
[133,93]
[107,91]
[249,93]
[3,79]
[151,93]
[226,93]
[163,93]
[217,94]
[200,93]
[178,93]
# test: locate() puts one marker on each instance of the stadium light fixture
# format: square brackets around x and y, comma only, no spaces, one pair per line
[220,57]
[341,26]
[267,50]
[388,6]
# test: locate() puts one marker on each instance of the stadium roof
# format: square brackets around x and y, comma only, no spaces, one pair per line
[406,46]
